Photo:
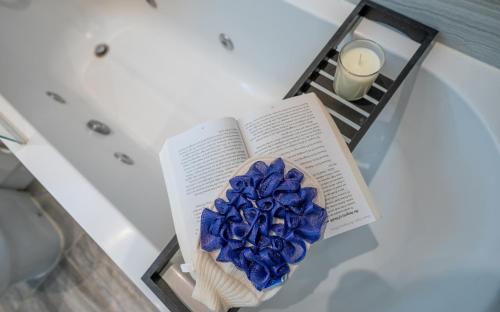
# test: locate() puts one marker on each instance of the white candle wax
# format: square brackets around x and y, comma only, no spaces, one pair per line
[357,69]
[361,61]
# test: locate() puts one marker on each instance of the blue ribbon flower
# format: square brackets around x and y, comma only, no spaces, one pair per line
[265,223]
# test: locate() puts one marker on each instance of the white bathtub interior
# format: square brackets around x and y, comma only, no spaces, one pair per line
[165,72]
[431,162]
[436,246]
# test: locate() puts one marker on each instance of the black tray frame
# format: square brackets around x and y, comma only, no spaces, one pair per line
[415,30]
[422,34]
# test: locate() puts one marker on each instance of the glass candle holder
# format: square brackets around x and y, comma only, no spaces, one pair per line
[359,64]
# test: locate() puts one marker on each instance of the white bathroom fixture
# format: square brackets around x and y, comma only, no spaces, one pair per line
[30,243]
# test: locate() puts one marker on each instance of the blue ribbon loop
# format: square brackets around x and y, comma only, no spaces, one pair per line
[265,223]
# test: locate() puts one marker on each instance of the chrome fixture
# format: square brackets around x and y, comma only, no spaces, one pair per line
[56,97]
[226,42]
[124,158]
[101,50]
[152,3]
[98,127]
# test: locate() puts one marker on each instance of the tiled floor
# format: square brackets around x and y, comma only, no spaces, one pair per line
[84,280]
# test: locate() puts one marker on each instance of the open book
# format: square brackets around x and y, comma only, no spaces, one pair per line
[197,163]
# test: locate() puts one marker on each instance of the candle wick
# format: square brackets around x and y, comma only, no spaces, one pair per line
[360,56]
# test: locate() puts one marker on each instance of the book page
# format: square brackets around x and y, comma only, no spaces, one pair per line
[301,130]
[196,165]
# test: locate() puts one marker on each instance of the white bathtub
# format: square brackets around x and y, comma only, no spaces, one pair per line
[431,160]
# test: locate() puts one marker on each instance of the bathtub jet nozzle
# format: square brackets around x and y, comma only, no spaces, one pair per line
[98,127]
[101,50]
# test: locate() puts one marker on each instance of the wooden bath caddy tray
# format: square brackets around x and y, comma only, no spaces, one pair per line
[353,118]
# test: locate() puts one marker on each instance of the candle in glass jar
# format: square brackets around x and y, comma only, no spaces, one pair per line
[359,64]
